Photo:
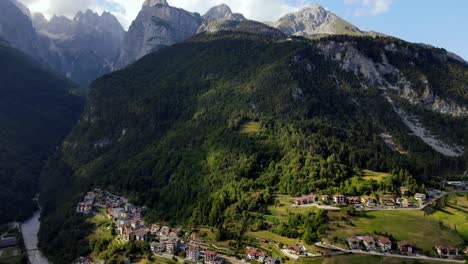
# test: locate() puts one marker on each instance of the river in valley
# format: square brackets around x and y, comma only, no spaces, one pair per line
[29,230]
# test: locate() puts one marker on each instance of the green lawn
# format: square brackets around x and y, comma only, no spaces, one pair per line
[455,214]
[373,175]
[364,259]
[414,226]
[282,207]
[250,128]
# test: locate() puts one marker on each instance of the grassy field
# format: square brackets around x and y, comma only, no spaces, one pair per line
[11,255]
[363,259]
[455,214]
[250,128]
[103,227]
[268,235]
[282,207]
[414,226]
[373,175]
[272,237]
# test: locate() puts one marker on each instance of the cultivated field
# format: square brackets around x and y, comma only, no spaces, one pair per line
[414,226]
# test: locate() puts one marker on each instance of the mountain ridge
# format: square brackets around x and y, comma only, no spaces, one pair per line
[169,130]
[80,51]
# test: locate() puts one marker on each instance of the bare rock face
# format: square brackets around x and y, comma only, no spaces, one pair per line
[245,26]
[221,18]
[82,48]
[375,74]
[157,25]
[17,29]
[313,20]
[150,3]
[22,7]
[58,25]
[222,12]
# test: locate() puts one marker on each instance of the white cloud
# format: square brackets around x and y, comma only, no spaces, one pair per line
[127,10]
[369,7]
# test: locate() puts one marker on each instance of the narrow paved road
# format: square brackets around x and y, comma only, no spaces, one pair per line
[419,257]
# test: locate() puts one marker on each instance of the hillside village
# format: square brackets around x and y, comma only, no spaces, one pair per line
[402,199]
[170,241]
[164,240]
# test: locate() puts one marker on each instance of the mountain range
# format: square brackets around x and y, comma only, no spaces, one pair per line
[91,45]
[202,118]
[204,131]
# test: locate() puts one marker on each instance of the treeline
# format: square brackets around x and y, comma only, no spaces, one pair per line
[309,227]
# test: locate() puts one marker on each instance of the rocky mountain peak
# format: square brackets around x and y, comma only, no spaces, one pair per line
[222,11]
[313,20]
[219,12]
[314,6]
[22,7]
[39,21]
[150,3]
[87,15]
[157,25]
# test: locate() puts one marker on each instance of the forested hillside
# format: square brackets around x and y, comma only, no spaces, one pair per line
[37,109]
[204,132]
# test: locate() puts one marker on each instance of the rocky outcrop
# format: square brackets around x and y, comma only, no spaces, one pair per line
[81,49]
[150,3]
[221,18]
[429,99]
[16,28]
[85,47]
[222,12]
[58,26]
[22,7]
[354,61]
[434,141]
[386,76]
[157,25]
[246,26]
[389,78]
[314,20]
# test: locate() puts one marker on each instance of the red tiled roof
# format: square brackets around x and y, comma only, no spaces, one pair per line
[255,252]
[368,239]
[385,240]
[210,253]
[404,243]
[295,248]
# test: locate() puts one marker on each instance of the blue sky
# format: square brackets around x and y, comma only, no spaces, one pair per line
[439,23]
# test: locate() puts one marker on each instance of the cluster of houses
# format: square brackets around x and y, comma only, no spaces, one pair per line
[384,243]
[447,251]
[340,199]
[197,250]
[296,250]
[257,255]
[370,243]
[130,227]
[129,224]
